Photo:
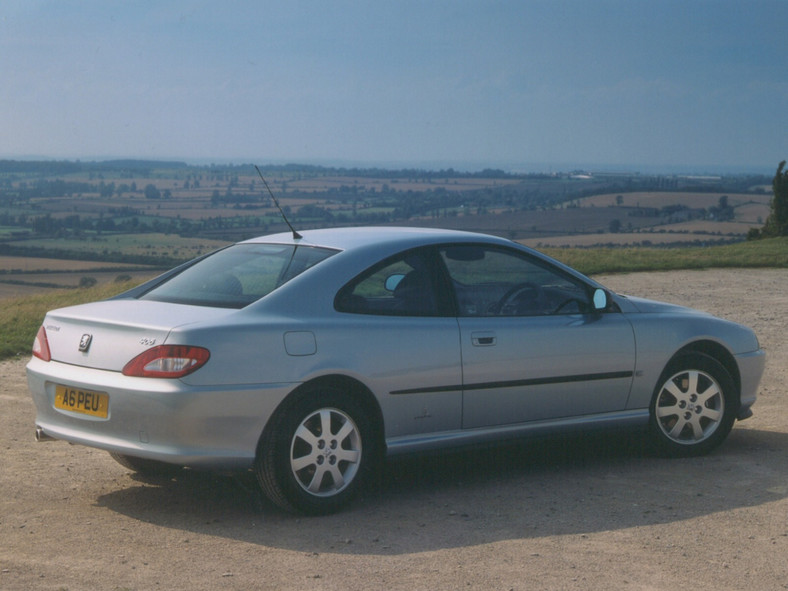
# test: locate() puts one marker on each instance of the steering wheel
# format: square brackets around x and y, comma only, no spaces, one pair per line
[508,305]
[581,305]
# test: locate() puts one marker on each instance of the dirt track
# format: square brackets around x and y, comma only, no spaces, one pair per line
[585,513]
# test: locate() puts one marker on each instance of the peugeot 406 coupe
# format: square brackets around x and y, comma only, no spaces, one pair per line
[310,357]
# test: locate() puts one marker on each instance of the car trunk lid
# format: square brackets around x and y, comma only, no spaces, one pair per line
[107,335]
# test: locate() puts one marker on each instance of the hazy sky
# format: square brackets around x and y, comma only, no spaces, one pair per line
[520,84]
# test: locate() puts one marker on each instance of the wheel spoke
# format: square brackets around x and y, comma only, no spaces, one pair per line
[675,432]
[306,435]
[344,431]
[336,474]
[667,411]
[712,414]
[697,429]
[710,393]
[325,422]
[317,479]
[348,455]
[299,464]
[692,377]
[674,390]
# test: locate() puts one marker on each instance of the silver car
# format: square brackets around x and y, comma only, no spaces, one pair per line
[309,358]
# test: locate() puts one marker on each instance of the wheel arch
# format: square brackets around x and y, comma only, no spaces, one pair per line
[717,352]
[357,390]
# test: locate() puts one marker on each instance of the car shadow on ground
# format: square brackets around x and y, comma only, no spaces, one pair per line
[563,486]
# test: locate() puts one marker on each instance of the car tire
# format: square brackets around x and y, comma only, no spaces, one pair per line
[145,467]
[301,468]
[694,406]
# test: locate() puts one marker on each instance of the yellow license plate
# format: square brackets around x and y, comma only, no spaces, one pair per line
[86,402]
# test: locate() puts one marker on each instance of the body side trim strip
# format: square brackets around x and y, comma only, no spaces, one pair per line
[613,375]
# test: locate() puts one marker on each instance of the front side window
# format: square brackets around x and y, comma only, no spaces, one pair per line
[497,282]
[237,276]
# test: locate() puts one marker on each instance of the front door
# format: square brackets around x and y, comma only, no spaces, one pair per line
[533,348]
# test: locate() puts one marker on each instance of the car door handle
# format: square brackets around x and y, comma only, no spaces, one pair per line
[483,339]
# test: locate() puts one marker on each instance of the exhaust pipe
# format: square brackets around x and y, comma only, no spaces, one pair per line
[41,436]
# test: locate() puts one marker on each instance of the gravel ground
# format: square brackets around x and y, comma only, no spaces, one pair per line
[593,512]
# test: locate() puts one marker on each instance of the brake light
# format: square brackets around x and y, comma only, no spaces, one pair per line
[41,345]
[167,361]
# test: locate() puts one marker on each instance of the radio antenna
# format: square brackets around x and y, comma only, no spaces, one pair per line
[296,235]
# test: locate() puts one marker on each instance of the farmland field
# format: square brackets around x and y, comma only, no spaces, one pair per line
[35,284]
[148,244]
[154,215]
[10,264]
[29,275]
[663,199]
[23,276]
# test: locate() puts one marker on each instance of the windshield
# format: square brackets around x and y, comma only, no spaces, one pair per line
[237,276]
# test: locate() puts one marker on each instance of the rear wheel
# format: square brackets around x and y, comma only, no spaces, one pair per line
[317,452]
[694,406]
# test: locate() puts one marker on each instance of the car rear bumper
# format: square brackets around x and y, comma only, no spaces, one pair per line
[159,419]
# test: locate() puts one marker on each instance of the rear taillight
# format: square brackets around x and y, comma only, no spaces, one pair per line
[167,361]
[41,345]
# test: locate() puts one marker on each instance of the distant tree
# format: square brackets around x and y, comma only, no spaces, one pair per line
[723,211]
[151,192]
[619,199]
[615,226]
[106,190]
[777,222]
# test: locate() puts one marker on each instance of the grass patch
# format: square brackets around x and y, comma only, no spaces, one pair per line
[759,253]
[20,318]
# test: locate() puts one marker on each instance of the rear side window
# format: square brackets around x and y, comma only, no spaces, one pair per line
[400,286]
[237,276]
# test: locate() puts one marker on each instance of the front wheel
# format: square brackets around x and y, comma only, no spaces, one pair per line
[317,453]
[694,406]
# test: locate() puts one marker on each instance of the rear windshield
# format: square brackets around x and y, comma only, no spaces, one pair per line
[237,276]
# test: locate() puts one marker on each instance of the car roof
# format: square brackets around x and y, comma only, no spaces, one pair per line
[375,236]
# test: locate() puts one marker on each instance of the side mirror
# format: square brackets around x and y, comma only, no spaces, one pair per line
[600,300]
[392,281]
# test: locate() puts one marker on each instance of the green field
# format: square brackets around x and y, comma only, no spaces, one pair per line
[20,318]
[759,253]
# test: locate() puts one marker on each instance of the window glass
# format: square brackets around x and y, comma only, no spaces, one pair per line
[402,286]
[238,275]
[496,282]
